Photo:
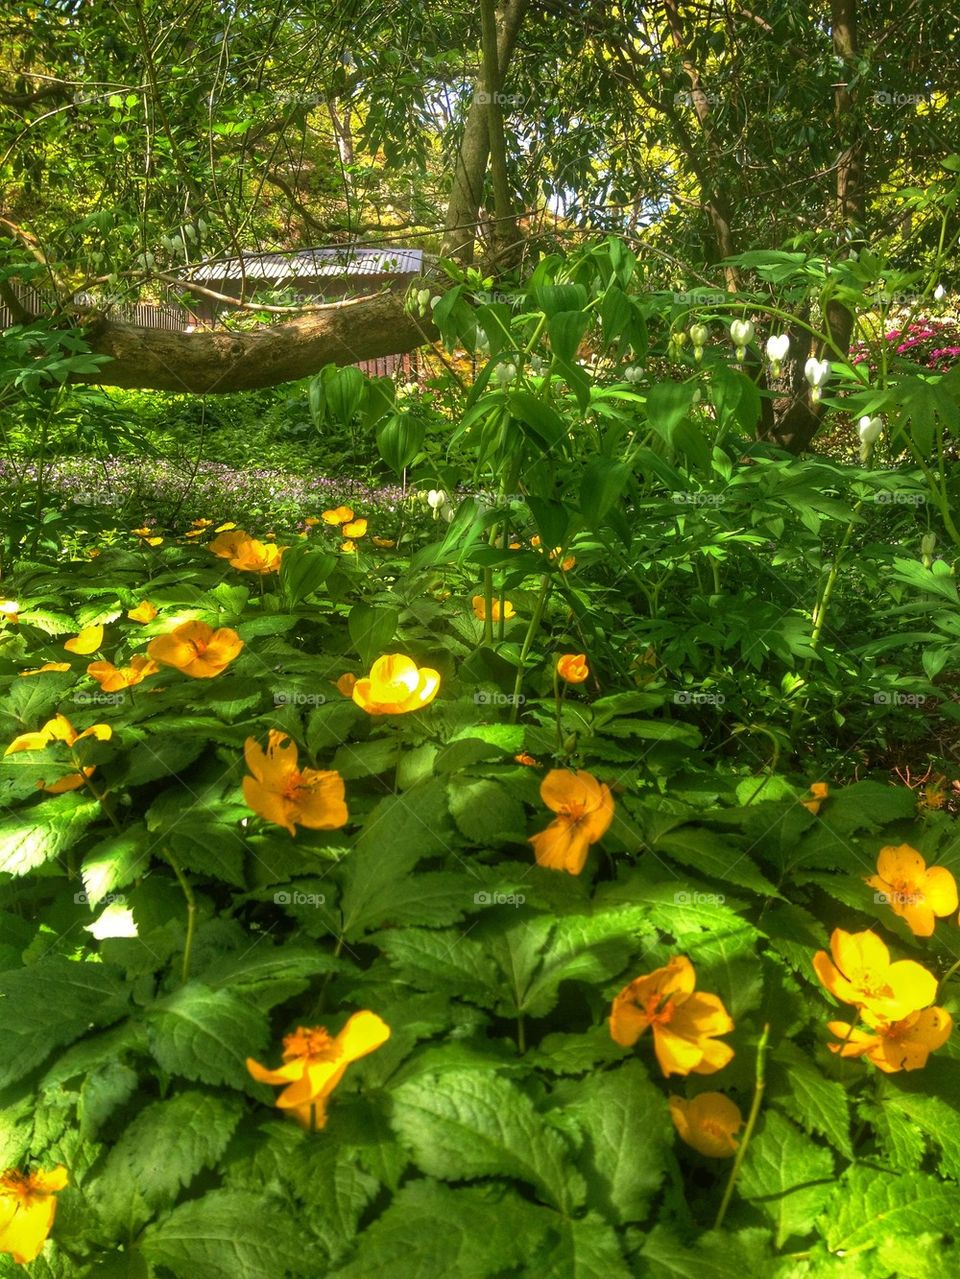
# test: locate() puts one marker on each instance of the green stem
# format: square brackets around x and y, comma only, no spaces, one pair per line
[488,606]
[527,642]
[944,979]
[191,915]
[521,1035]
[758,1088]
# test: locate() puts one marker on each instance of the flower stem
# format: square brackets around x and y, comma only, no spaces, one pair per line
[758,1088]
[527,643]
[191,915]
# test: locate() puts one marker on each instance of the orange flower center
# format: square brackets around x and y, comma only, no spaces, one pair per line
[295,788]
[314,1043]
[198,646]
[20,1185]
[713,1129]
[872,983]
[662,1015]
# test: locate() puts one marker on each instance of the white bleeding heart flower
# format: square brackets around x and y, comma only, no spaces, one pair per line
[634,373]
[699,334]
[741,334]
[436,498]
[778,344]
[817,372]
[869,429]
[939,293]
[447,514]
[505,373]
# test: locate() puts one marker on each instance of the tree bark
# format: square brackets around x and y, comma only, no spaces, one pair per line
[218,363]
[466,194]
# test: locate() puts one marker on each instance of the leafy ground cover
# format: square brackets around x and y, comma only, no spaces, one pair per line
[552,856]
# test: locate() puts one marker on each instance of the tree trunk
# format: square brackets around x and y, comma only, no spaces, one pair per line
[217,363]
[466,196]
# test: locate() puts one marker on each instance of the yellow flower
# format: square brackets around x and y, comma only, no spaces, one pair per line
[708,1123]
[355,528]
[684,1022]
[9,611]
[527,760]
[861,973]
[229,543]
[573,667]
[147,536]
[257,557]
[348,547]
[385,543]
[584,809]
[819,792]
[480,609]
[346,684]
[396,685]
[144,612]
[59,729]
[916,894]
[47,666]
[114,678]
[286,795]
[312,521]
[88,641]
[27,1209]
[314,1063]
[194,532]
[196,649]
[897,1045]
[201,523]
[339,515]
[225,528]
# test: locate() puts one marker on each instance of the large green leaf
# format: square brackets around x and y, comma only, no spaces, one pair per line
[471,1123]
[50,1004]
[787,1176]
[228,1234]
[206,1035]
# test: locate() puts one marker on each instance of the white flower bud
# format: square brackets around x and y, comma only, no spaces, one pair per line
[817,372]
[869,429]
[741,334]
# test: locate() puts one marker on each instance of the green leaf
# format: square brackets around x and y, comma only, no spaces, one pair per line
[303,570]
[371,630]
[485,811]
[719,1254]
[30,838]
[471,1123]
[816,1103]
[628,1129]
[398,833]
[588,1249]
[429,1231]
[444,961]
[228,1234]
[601,487]
[787,1176]
[115,862]
[161,1151]
[102,1091]
[545,424]
[718,859]
[50,1004]
[206,1035]
[869,1206]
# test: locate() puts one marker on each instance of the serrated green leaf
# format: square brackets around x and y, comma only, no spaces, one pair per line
[467,1124]
[228,1234]
[206,1035]
[787,1176]
[868,1206]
